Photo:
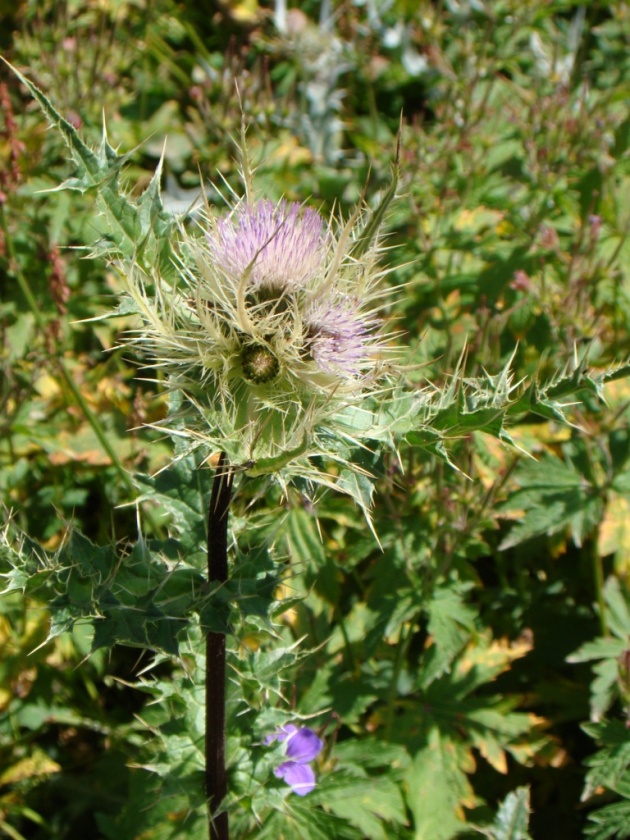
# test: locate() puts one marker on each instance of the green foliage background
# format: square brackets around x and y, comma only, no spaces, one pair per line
[475,666]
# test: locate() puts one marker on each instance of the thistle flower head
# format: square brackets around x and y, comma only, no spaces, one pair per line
[278,246]
[270,331]
[287,299]
[339,335]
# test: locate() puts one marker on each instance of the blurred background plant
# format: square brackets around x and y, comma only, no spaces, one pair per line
[476,664]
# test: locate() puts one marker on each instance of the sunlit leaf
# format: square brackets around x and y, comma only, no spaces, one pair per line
[512,818]
[437,789]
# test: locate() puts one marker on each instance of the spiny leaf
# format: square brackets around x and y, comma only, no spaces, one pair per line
[183,491]
[139,230]
[486,404]
[621,371]
[82,155]
[372,227]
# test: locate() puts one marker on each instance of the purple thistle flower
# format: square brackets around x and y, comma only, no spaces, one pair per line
[281,245]
[338,336]
[303,746]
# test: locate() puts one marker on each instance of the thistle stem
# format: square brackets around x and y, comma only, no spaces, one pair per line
[216,785]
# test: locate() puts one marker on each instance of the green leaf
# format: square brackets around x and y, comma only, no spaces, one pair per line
[437,787]
[368,804]
[141,600]
[610,652]
[617,613]
[301,819]
[609,764]
[605,687]
[358,486]
[602,648]
[512,818]
[451,623]
[609,823]
[375,219]
[489,403]
[151,811]
[140,230]
[183,490]
[305,543]
[308,555]
[553,496]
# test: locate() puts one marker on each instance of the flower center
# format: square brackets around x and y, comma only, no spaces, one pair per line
[259,364]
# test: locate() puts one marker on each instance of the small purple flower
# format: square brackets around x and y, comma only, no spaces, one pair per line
[282,246]
[303,746]
[338,334]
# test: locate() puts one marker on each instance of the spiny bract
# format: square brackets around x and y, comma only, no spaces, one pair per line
[270,329]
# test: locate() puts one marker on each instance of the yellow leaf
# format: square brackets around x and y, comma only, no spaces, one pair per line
[243,11]
[36,764]
[250,643]
[476,220]
[505,228]
[47,386]
[614,532]
[542,751]
[493,754]
[617,392]
[291,153]
[495,657]
[83,446]
[491,459]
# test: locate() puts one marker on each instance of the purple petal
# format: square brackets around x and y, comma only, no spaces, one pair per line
[304,745]
[281,734]
[338,334]
[299,777]
[281,245]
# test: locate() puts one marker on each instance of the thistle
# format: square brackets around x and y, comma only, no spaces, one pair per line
[266,321]
[269,329]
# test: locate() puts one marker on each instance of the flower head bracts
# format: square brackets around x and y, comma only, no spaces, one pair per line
[302,747]
[272,330]
[272,279]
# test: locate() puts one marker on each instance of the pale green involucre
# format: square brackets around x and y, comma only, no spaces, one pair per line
[270,331]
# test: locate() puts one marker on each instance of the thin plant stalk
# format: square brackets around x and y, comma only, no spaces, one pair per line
[216,784]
